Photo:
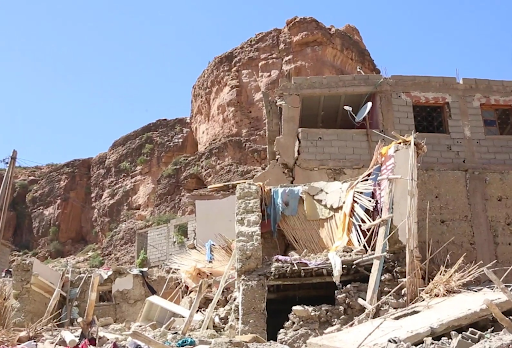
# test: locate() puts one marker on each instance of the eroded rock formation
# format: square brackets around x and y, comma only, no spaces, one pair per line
[153,170]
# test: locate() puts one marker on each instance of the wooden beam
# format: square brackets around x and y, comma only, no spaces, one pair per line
[211,308]
[308,280]
[169,323]
[139,336]
[503,320]
[91,301]
[499,284]
[340,111]
[195,305]
[320,108]
[53,301]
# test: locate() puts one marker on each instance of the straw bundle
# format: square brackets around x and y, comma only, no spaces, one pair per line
[6,303]
[451,280]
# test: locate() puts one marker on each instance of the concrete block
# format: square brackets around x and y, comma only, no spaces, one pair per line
[403,127]
[338,156]
[322,156]
[500,142]
[308,156]
[315,150]
[502,156]
[482,82]
[466,81]
[488,155]
[346,150]
[481,149]
[403,114]
[361,77]
[360,137]
[429,159]
[330,149]
[323,143]
[330,136]
[340,143]
[448,154]
[507,83]
[398,101]
[353,157]
[496,82]
[408,121]
[433,153]
[406,108]
[497,161]
[347,77]
[456,135]
[478,135]
[345,135]
[458,148]
[486,142]
[361,151]
[444,160]
[308,143]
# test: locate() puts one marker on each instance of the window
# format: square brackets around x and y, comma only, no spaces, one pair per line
[497,120]
[430,118]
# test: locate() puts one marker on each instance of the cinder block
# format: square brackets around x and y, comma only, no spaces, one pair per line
[344,136]
[500,142]
[481,149]
[429,159]
[360,137]
[347,77]
[507,83]
[433,153]
[346,150]
[496,82]
[467,81]
[322,156]
[448,154]
[340,143]
[330,136]
[444,160]
[324,143]
[486,142]
[398,101]
[330,149]
[408,121]
[403,127]
[502,156]
[308,156]
[488,155]
[497,161]
[478,135]
[353,157]
[456,135]
[338,156]
[482,82]
[359,151]
[402,114]
[316,150]
[362,144]
[406,108]
[458,148]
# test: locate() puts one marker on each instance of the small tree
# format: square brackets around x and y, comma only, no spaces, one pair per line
[142,259]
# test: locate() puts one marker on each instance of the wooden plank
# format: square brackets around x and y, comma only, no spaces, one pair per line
[503,320]
[498,283]
[53,301]
[91,302]
[211,308]
[195,305]
[169,323]
[139,336]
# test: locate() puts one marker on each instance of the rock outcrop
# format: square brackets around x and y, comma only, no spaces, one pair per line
[227,99]
[59,209]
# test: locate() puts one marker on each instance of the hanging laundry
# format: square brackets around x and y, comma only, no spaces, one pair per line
[209,254]
[284,201]
[314,210]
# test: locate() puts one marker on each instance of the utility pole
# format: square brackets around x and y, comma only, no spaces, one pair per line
[6,191]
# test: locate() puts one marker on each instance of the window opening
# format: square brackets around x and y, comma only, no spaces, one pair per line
[497,120]
[105,295]
[429,118]
[181,233]
[327,111]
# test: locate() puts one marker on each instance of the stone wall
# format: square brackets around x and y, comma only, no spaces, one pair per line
[4,256]
[252,288]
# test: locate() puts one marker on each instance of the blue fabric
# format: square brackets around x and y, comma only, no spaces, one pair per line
[284,201]
[187,341]
[209,255]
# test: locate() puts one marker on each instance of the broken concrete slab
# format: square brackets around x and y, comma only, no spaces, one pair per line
[424,319]
[159,310]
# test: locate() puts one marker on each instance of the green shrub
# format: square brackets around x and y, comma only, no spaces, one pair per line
[142,259]
[125,166]
[54,233]
[33,253]
[179,239]
[21,185]
[147,136]
[170,170]
[88,249]
[56,248]
[141,160]
[147,149]
[96,261]
[196,170]
[161,219]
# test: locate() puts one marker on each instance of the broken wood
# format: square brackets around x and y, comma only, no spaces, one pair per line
[369,258]
[139,336]
[200,292]
[69,338]
[376,222]
[91,301]
[53,301]
[211,308]
[169,324]
[502,319]
[498,283]
[364,304]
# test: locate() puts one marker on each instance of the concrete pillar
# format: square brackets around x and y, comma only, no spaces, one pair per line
[252,289]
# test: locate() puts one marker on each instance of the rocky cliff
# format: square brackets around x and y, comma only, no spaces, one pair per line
[59,209]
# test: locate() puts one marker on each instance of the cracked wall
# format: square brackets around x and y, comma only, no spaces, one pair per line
[252,288]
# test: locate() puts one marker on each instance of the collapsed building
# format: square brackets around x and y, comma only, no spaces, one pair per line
[350,221]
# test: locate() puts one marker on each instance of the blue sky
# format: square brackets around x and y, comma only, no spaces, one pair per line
[77,75]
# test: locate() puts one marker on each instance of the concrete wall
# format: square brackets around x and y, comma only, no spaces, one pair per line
[215,217]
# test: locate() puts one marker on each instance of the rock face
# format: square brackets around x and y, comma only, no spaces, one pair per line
[59,209]
[227,99]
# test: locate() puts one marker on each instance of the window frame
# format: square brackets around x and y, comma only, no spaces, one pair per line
[493,108]
[445,115]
